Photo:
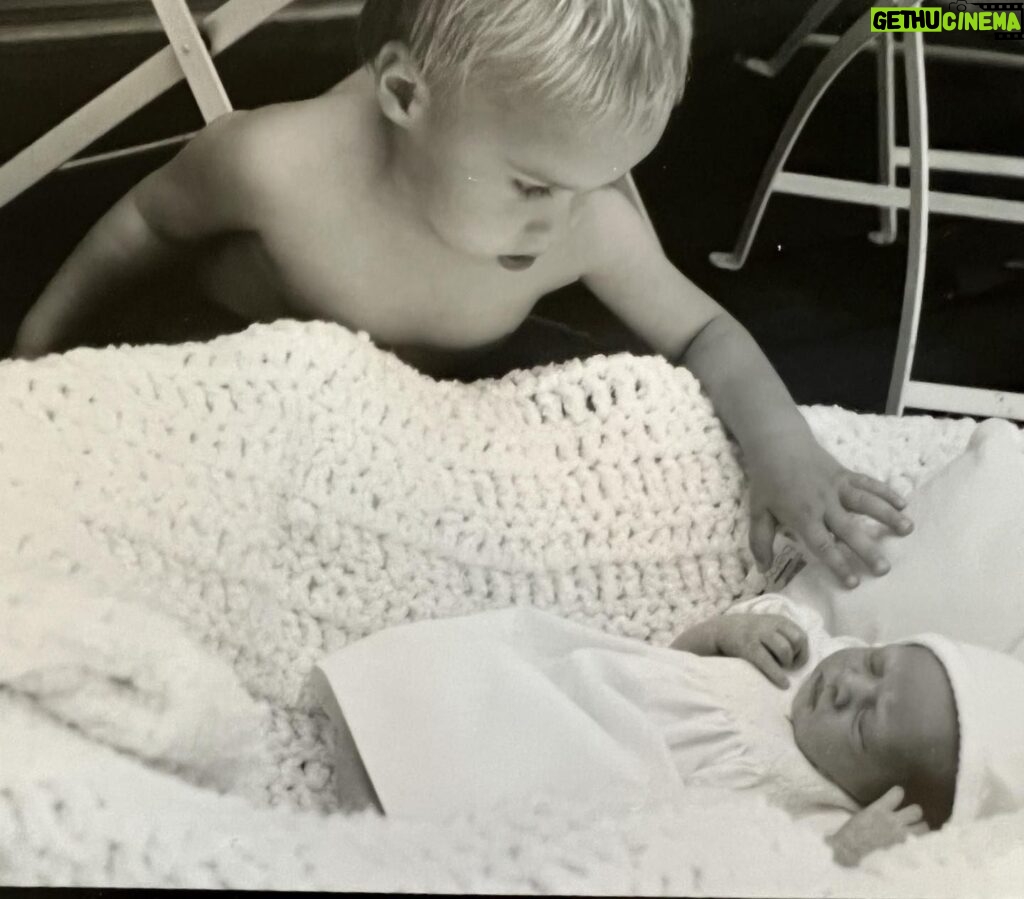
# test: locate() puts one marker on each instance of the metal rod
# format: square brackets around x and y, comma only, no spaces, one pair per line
[968,163]
[865,193]
[148,23]
[941,53]
[964,400]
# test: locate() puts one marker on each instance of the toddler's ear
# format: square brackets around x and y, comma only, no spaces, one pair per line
[401,89]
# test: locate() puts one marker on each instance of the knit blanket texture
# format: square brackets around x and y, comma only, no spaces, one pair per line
[185,531]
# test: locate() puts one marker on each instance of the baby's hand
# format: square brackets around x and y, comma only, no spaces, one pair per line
[880,825]
[802,487]
[769,642]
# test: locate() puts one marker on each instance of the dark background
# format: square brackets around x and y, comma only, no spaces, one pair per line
[822,300]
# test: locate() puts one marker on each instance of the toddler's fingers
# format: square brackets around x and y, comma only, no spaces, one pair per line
[849,530]
[879,488]
[851,558]
[797,637]
[37,332]
[822,543]
[26,348]
[919,829]
[762,537]
[863,502]
[766,664]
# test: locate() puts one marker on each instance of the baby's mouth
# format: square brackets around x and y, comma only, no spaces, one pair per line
[516,263]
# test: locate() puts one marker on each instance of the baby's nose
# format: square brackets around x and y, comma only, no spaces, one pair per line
[851,686]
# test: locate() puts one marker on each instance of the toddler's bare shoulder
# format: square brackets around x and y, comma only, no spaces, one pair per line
[608,225]
[266,142]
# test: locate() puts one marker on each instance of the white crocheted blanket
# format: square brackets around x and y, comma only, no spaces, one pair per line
[185,531]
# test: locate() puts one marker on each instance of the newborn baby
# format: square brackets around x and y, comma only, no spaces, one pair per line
[459,713]
[880,722]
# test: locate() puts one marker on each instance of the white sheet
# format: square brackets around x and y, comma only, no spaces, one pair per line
[960,573]
[118,672]
[470,712]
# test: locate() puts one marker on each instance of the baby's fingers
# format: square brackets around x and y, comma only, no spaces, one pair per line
[912,814]
[779,646]
[764,661]
[889,801]
[797,638]
[919,829]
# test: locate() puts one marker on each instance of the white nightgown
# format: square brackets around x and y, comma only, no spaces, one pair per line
[464,713]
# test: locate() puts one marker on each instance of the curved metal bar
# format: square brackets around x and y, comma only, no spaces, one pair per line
[913,289]
[849,45]
[769,68]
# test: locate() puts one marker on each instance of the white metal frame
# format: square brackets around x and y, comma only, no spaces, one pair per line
[226,25]
[919,199]
[769,68]
[193,57]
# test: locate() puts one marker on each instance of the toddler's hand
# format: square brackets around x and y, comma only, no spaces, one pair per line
[880,825]
[805,489]
[770,643]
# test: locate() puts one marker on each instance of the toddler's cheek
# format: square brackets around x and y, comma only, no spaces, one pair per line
[478,236]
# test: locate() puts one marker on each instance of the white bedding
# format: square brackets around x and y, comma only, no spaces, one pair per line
[273,496]
[961,571]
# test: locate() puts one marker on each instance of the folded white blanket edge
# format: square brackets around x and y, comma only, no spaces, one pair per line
[242,507]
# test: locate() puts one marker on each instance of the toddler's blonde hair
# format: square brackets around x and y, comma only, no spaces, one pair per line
[628,58]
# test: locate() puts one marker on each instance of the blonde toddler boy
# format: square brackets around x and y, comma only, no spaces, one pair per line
[470,167]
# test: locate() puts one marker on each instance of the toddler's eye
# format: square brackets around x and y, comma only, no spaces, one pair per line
[531,191]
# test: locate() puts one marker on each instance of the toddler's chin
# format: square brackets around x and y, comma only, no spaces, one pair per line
[464,242]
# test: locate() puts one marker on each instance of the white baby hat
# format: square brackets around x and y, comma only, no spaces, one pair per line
[989,690]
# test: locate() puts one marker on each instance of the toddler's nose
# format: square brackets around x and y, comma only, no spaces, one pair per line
[553,220]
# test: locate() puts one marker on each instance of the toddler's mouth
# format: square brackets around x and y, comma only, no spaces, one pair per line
[516,263]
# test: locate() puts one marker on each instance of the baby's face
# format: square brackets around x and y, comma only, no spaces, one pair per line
[500,179]
[866,717]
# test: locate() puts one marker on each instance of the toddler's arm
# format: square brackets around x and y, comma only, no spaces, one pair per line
[199,193]
[795,483]
[878,826]
[769,642]
[120,247]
